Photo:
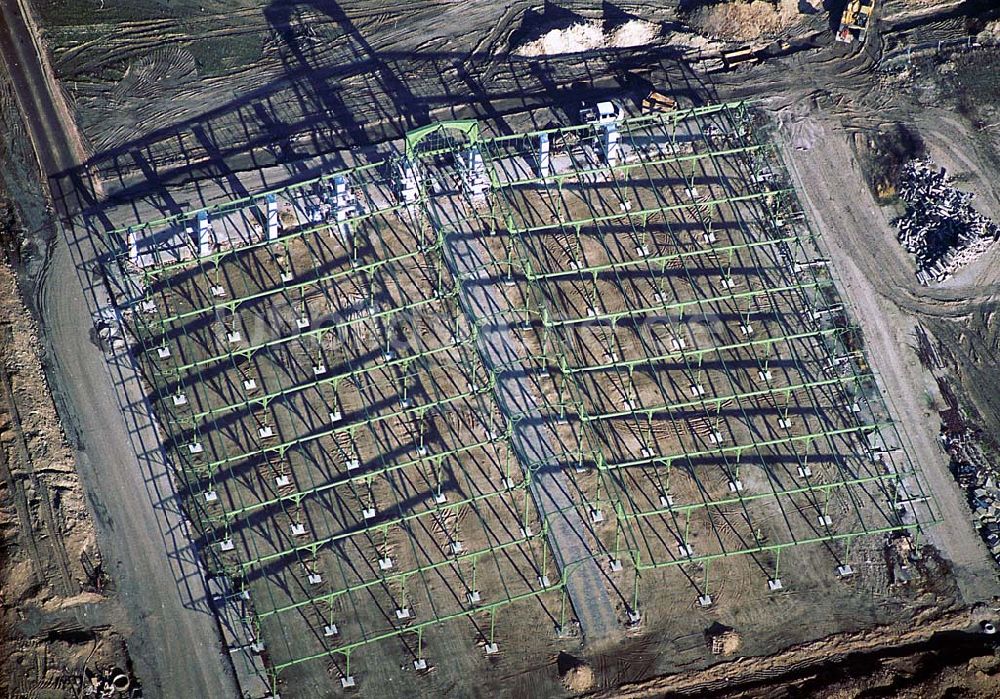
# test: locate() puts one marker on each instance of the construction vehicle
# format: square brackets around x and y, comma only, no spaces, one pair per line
[658,102]
[601,113]
[855,20]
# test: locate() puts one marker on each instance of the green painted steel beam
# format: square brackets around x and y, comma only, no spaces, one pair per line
[559,178]
[776,547]
[244,202]
[766,343]
[318,333]
[336,277]
[215,259]
[401,576]
[313,546]
[469,127]
[641,213]
[653,260]
[738,449]
[264,400]
[229,516]
[749,497]
[677,305]
[281,448]
[675,116]
[718,401]
[413,628]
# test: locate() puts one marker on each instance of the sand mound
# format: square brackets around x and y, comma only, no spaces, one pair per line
[746,20]
[726,642]
[589,36]
[991,32]
[579,678]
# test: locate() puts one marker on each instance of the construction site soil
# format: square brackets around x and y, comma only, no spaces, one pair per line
[175,106]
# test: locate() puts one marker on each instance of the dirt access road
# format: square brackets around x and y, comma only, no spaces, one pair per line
[846,224]
[174,638]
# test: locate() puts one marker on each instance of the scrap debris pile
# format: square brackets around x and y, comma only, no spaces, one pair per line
[979,477]
[109,683]
[940,227]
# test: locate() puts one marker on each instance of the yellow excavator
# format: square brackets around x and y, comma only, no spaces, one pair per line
[855,20]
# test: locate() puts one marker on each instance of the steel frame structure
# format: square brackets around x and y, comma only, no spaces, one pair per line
[300,377]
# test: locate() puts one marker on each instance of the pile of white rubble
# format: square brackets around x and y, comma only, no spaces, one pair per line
[940,227]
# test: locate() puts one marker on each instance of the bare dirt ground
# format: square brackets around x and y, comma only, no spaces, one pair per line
[144,546]
[934,657]
[172,95]
[60,628]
